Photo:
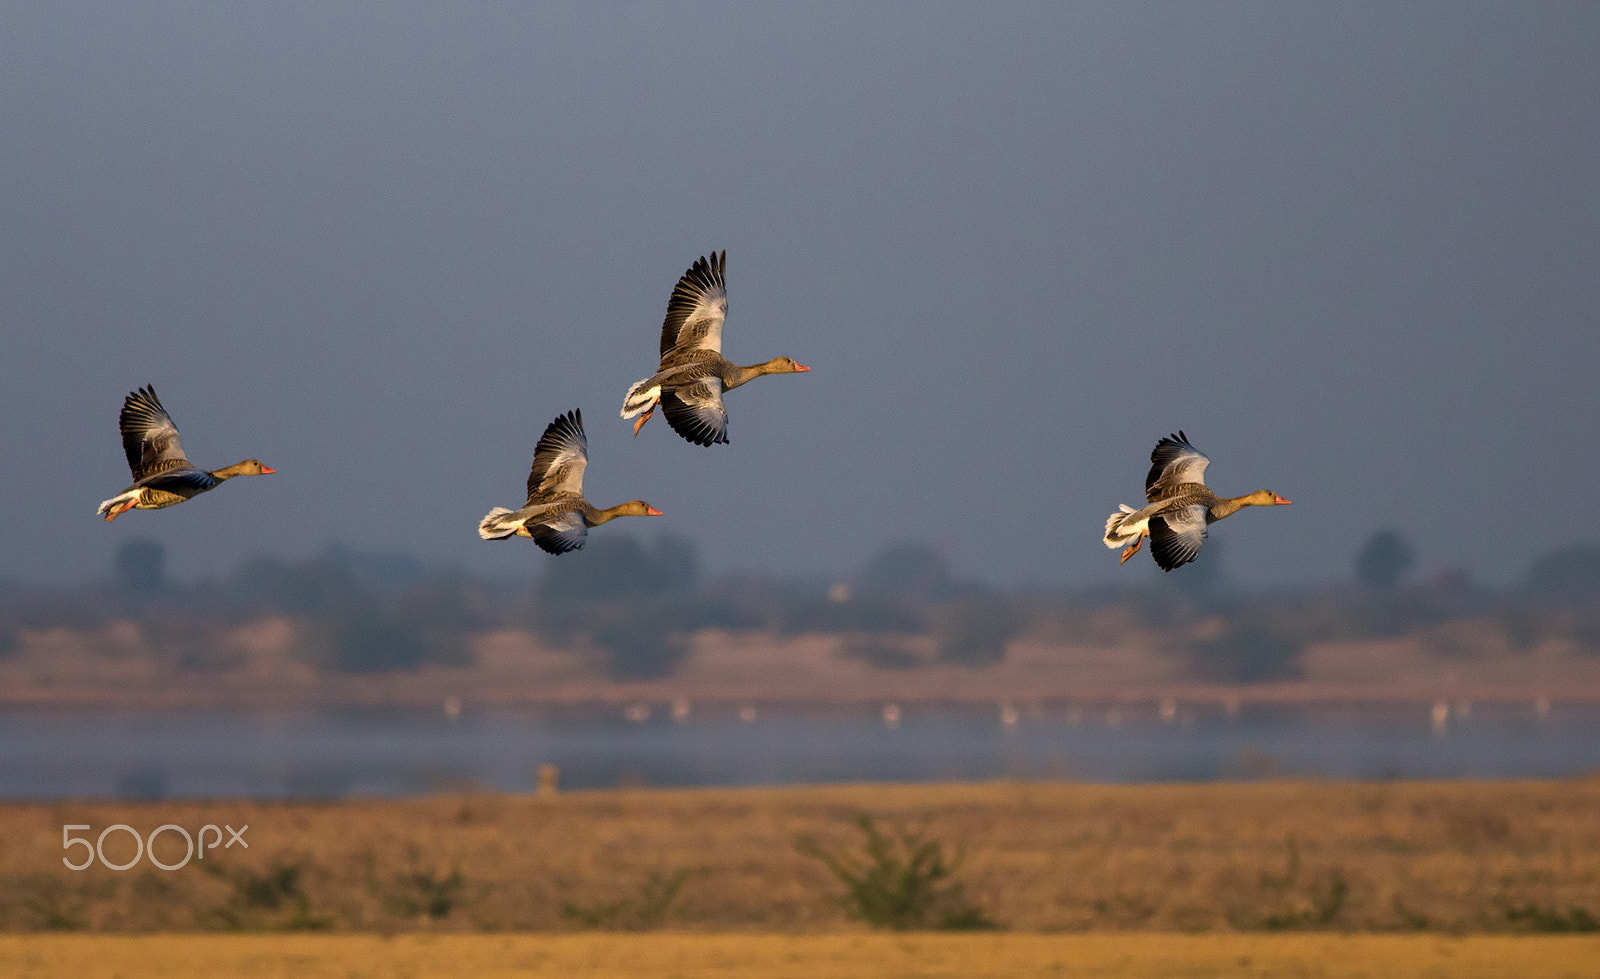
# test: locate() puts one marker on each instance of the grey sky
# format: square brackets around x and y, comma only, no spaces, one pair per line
[1352,249]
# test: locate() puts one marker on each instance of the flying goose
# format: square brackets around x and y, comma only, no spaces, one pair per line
[1180,507]
[556,515]
[162,475]
[694,375]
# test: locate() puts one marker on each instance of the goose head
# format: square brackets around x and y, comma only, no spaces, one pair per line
[783,365]
[1265,498]
[249,467]
[632,508]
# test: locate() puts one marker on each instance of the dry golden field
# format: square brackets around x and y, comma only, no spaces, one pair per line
[834,956]
[1249,879]
[1444,858]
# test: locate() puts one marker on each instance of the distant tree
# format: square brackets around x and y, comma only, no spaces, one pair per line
[142,566]
[618,566]
[444,601]
[302,588]
[371,613]
[385,569]
[362,639]
[1384,560]
[639,641]
[873,611]
[1569,574]
[881,654]
[974,631]
[909,569]
[628,598]
[1249,650]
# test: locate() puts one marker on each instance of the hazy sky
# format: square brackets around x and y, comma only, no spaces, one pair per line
[1352,249]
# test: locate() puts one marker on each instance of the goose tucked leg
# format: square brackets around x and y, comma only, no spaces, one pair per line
[118,505]
[640,423]
[1132,549]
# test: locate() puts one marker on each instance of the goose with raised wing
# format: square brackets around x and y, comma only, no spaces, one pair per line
[556,515]
[1180,506]
[162,475]
[693,375]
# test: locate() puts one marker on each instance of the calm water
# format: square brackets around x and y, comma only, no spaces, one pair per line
[111,754]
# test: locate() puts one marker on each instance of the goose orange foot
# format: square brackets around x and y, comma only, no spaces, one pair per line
[640,423]
[119,511]
[1131,549]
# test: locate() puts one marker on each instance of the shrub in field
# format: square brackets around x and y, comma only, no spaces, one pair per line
[1538,918]
[419,891]
[51,904]
[645,910]
[272,899]
[1293,899]
[901,880]
[1124,909]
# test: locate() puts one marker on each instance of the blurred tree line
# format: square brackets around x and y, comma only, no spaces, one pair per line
[633,604]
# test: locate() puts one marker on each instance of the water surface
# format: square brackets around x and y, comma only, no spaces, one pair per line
[48,754]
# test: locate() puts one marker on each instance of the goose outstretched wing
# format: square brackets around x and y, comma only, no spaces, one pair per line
[697,308]
[559,459]
[1173,463]
[696,412]
[149,438]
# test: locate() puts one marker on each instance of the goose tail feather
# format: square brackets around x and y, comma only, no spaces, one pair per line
[640,398]
[498,524]
[1119,531]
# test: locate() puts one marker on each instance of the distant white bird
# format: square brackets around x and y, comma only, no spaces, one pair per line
[556,515]
[162,475]
[1180,506]
[693,375]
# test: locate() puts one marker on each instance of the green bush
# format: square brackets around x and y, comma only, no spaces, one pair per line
[420,891]
[643,911]
[901,881]
[270,899]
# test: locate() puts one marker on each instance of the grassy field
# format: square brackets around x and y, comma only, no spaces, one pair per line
[1443,858]
[1250,879]
[730,956]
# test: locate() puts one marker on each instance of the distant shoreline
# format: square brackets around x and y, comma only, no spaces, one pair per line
[129,665]
[416,692]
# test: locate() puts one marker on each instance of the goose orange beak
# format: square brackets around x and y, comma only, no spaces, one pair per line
[651,511]
[1280,501]
[800,368]
[267,469]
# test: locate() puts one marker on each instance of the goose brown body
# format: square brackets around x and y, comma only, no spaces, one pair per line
[162,475]
[1180,508]
[693,375]
[556,516]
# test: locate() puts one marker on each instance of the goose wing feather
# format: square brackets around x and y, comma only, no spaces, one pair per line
[561,533]
[697,308]
[696,412]
[1174,462]
[186,481]
[1176,536]
[149,438]
[560,458]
